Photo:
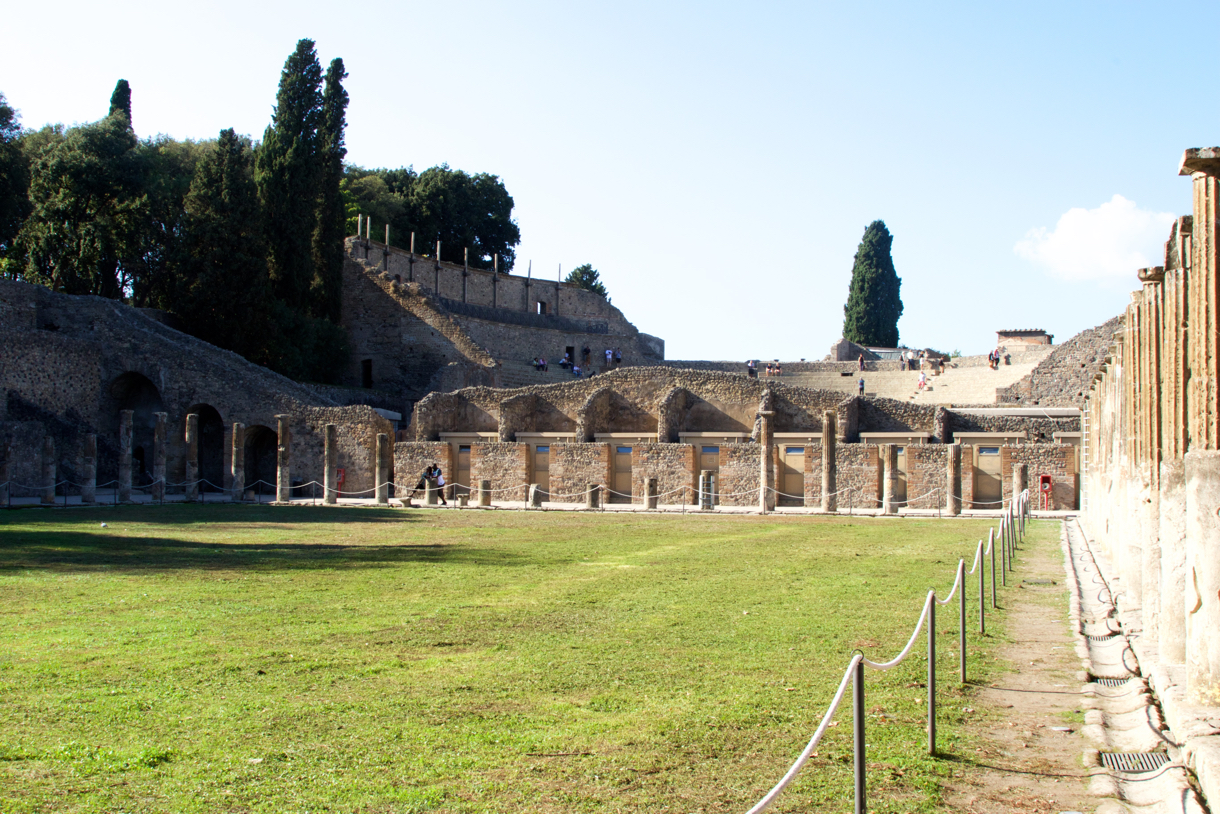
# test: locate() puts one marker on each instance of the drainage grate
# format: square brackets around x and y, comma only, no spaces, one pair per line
[1104,637]
[1134,762]
[1111,682]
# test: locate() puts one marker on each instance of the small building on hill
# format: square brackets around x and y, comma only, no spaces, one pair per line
[1023,336]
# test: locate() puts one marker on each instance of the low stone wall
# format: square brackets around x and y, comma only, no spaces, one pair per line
[926,475]
[673,465]
[505,465]
[411,459]
[575,466]
[859,469]
[739,472]
[1056,460]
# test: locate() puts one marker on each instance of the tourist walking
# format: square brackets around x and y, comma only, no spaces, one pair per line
[862,361]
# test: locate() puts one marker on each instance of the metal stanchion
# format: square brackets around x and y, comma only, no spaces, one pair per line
[991,547]
[961,610]
[932,676]
[858,731]
[982,592]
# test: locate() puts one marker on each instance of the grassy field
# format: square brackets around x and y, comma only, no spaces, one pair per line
[306,659]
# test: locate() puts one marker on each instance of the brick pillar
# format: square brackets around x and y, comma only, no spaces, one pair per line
[283,468]
[88,471]
[330,465]
[382,475]
[889,463]
[124,485]
[237,485]
[48,470]
[592,495]
[650,493]
[158,461]
[5,468]
[191,488]
[766,497]
[1171,632]
[953,480]
[1020,479]
[830,449]
[1202,578]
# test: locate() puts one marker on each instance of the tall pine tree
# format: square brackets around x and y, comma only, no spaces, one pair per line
[120,100]
[222,291]
[331,225]
[873,301]
[287,172]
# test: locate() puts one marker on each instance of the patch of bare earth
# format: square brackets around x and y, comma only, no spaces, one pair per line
[1025,761]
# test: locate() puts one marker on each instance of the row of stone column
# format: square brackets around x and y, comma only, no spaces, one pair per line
[1152,445]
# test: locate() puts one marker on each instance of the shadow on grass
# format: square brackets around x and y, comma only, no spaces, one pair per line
[38,541]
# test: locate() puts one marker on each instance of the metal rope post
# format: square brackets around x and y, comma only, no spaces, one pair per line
[991,548]
[858,731]
[961,610]
[1003,556]
[932,677]
[982,592]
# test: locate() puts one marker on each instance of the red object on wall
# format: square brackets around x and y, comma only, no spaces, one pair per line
[1044,487]
[341,475]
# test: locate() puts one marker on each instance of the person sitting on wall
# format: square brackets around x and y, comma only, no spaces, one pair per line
[565,362]
[537,363]
[779,369]
[576,371]
[542,359]
[752,369]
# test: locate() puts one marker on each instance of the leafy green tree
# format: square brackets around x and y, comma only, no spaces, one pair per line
[168,168]
[587,278]
[462,211]
[287,172]
[221,291]
[873,301]
[120,100]
[87,205]
[331,217]
[14,185]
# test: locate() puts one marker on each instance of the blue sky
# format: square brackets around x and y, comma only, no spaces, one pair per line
[718,163]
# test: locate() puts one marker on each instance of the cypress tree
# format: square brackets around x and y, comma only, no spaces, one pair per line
[873,302]
[120,100]
[332,216]
[222,291]
[287,171]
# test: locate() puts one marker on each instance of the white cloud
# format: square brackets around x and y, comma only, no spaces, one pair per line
[1108,243]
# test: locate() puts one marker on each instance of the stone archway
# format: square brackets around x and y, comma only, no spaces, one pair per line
[211,446]
[136,392]
[261,445]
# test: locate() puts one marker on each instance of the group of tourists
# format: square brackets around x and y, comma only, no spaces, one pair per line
[993,358]
[432,478]
[772,368]
[614,358]
[539,364]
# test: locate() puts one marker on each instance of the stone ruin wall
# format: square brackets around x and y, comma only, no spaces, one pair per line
[1151,479]
[70,363]
[1063,378]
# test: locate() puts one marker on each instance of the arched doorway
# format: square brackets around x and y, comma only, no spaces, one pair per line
[261,444]
[211,447]
[134,391]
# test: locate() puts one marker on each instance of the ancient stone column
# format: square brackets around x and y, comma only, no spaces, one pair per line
[535,496]
[1171,631]
[1020,479]
[283,470]
[330,465]
[237,473]
[191,488]
[48,470]
[766,497]
[430,492]
[830,449]
[591,496]
[88,470]
[953,480]
[125,422]
[158,461]
[382,482]
[1202,578]
[650,493]
[889,463]
[485,493]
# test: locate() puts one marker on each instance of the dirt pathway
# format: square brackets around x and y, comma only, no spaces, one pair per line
[1030,756]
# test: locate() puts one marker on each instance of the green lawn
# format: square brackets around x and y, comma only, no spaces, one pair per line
[306,659]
